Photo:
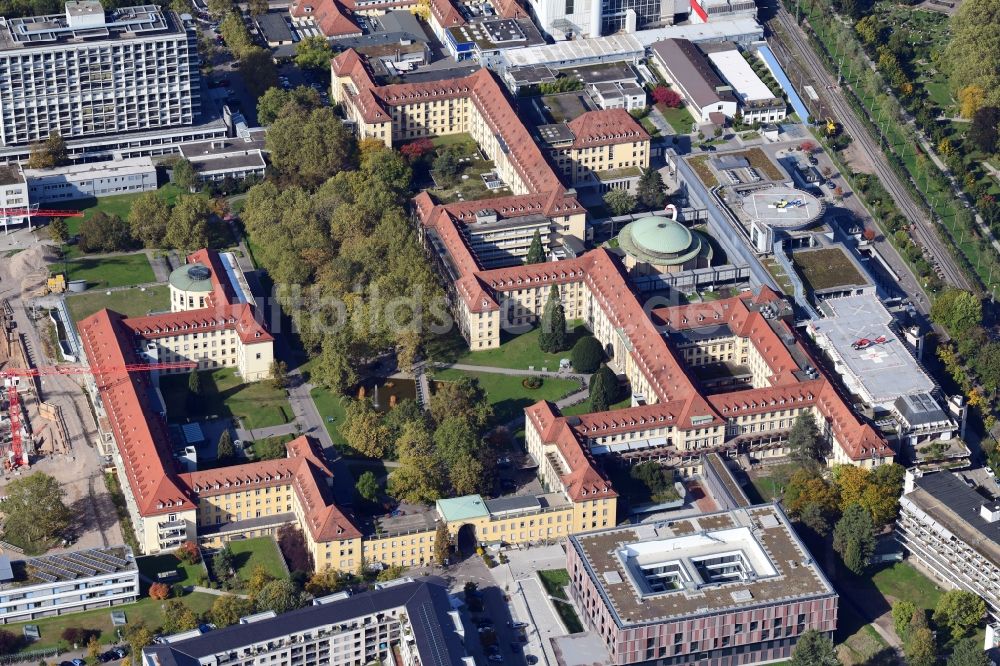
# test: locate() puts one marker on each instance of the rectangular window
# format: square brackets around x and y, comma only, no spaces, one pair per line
[569,6]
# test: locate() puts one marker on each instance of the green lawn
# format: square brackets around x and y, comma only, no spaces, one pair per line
[521,351]
[765,487]
[554,581]
[152,565]
[680,119]
[130,302]
[119,204]
[262,551]
[901,581]
[330,406]
[147,610]
[507,395]
[117,271]
[224,395]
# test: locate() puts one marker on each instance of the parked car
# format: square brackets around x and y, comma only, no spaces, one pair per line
[496,658]
[531,659]
[78,662]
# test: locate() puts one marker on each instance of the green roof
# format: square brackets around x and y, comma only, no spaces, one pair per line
[192,277]
[462,508]
[659,240]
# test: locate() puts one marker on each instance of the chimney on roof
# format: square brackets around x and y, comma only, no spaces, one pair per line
[990,512]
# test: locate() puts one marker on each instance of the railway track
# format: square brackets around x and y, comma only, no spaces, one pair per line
[924,230]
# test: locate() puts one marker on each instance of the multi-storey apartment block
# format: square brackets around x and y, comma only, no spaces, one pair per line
[726,588]
[89,73]
[403,622]
[66,583]
[954,531]
[499,229]
[598,149]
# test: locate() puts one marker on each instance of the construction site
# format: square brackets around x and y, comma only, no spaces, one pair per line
[46,420]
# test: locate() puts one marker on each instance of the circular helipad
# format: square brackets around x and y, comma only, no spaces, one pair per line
[782,207]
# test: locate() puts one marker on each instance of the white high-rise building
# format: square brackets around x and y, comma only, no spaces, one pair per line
[90,73]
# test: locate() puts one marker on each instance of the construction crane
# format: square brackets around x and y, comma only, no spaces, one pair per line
[11,376]
[38,212]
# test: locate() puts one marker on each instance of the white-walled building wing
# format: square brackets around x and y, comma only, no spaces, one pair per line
[613,48]
[91,179]
[66,583]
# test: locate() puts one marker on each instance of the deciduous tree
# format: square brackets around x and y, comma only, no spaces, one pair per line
[463,398]
[972,53]
[279,596]
[49,153]
[367,486]
[257,7]
[104,233]
[218,8]
[259,579]
[228,609]
[159,591]
[313,52]
[968,652]
[363,429]
[293,547]
[420,476]
[619,201]
[814,649]
[187,229]
[958,311]
[258,70]
[178,617]
[960,611]
[148,218]
[307,147]
[58,229]
[275,99]
[34,512]
[669,98]
[920,648]
[983,132]
[902,617]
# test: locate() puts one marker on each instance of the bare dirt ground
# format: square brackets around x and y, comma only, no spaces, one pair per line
[856,159]
[80,470]
[95,522]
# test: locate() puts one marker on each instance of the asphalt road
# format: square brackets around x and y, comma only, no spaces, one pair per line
[843,113]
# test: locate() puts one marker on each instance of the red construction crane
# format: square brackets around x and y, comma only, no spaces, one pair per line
[10,377]
[27,212]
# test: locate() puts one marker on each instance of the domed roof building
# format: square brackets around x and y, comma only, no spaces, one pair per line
[660,245]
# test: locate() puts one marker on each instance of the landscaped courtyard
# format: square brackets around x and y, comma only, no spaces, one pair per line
[248,554]
[521,352]
[508,395]
[153,565]
[224,395]
[134,302]
[466,183]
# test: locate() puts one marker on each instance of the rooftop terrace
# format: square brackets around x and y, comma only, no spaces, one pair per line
[738,559]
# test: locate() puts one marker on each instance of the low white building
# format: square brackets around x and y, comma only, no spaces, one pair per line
[13,196]
[617,95]
[66,583]
[91,179]
[239,158]
[757,101]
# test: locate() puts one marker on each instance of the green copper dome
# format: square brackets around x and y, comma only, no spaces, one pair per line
[660,241]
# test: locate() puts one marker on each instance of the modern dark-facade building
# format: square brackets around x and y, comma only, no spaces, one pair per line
[88,72]
[735,587]
[404,622]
